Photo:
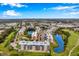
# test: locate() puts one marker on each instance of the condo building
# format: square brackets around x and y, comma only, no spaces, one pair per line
[34,46]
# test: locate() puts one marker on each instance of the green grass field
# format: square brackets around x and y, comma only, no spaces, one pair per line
[3,46]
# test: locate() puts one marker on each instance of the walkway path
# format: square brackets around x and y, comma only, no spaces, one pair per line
[77,43]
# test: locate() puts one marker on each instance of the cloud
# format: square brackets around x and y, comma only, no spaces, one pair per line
[14,5]
[10,13]
[74,13]
[63,7]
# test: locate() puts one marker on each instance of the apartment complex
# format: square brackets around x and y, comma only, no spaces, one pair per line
[34,46]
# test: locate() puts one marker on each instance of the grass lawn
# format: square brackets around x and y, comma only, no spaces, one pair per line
[25,53]
[72,39]
[75,52]
[3,46]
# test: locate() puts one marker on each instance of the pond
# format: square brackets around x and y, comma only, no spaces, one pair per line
[60,43]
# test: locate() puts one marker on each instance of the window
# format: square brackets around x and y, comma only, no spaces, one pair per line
[42,48]
[37,47]
[24,47]
[29,47]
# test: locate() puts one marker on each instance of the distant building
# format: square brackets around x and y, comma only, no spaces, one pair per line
[34,35]
[21,31]
[50,37]
[1,31]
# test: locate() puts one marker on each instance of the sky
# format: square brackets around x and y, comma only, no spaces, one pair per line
[39,10]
